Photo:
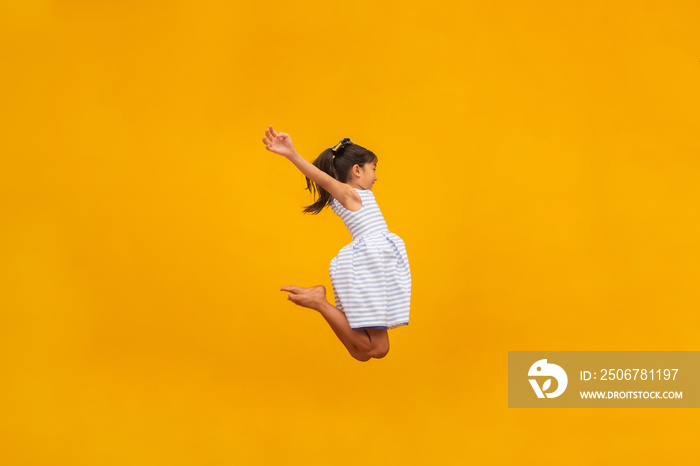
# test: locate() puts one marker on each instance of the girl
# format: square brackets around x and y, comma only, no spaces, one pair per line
[371,277]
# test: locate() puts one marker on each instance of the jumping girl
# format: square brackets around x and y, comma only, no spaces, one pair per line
[371,276]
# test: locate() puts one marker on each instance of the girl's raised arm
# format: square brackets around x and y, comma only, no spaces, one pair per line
[281,143]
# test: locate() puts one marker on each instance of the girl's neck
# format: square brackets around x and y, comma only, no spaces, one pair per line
[353,185]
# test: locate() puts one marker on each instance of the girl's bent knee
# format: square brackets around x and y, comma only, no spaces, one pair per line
[379,352]
[360,356]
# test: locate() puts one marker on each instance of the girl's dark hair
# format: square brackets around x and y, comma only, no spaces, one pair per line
[338,166]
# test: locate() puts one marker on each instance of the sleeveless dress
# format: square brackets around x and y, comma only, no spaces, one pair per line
[371,276]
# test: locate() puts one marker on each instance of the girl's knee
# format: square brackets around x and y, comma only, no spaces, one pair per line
[380,350]
[379,339]
[362,357]
[376,345]
[365,356]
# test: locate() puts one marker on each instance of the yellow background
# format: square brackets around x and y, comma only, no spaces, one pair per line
[539,159]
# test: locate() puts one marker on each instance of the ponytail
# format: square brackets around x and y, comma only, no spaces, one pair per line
[323,162]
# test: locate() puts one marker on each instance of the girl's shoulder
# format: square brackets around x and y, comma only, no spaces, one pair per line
[353,203]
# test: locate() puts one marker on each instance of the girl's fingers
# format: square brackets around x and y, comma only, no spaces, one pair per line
[271,136]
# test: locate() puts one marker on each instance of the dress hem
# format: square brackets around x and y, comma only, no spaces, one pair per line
[381,327]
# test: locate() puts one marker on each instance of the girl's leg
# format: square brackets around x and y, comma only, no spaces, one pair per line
[361,344]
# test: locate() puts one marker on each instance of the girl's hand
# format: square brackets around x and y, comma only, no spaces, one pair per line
[279,143]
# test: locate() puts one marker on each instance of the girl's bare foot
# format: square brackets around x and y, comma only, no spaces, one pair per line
[312,297]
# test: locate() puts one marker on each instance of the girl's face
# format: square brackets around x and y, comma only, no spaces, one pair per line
[368,175]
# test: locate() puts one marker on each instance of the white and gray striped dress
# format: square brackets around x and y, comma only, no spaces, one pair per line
[371,276]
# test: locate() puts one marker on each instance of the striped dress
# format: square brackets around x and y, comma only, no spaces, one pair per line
[371,276]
